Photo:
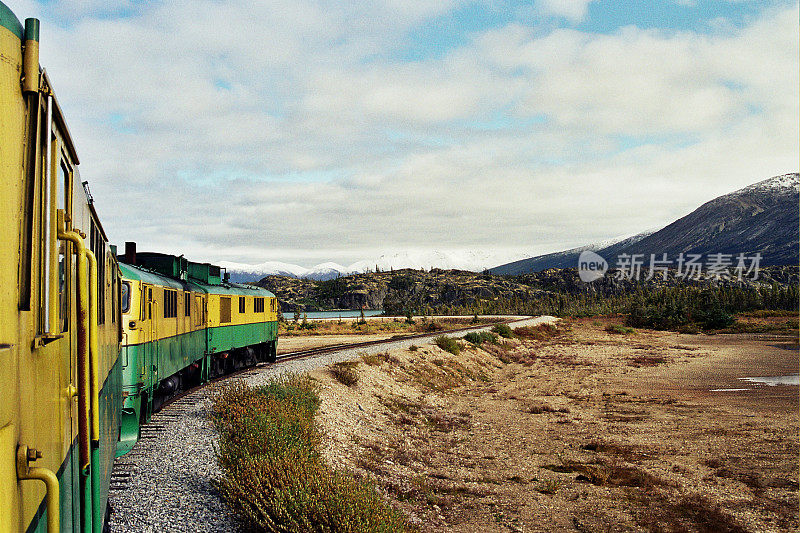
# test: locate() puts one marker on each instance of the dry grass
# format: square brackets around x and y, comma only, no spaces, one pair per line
[377,359]
[658,513]
[646,360]
[538,333]
[536,407]
[393,326]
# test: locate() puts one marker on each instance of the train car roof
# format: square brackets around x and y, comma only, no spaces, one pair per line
[137,273]
[235,289]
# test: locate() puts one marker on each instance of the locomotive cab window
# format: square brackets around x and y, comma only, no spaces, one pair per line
[241,304]
[125,297]
[64,262]
[98,247]
[187,304]
[258,305]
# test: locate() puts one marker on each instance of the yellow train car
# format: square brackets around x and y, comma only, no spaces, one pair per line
[60,326]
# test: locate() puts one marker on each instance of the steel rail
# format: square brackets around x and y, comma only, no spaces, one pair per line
[303,354]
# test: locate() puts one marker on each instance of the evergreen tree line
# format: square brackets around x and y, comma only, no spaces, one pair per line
[671,305]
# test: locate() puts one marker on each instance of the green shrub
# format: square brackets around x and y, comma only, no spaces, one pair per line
[479,338]
[273,475]
[619,329]
[447,344]
[345,372]
[703,309]
[503,330]
[714,317]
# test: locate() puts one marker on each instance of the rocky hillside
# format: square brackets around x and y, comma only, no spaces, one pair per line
[393,291]
[417,289]
[762,218]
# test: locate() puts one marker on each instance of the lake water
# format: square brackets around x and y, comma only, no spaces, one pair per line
[769,381]
[772,381]
[347,313]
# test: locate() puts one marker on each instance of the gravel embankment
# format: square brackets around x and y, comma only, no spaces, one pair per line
[173,468]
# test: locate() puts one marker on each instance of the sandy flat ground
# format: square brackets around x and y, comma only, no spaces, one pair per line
[581,431]
[294,344]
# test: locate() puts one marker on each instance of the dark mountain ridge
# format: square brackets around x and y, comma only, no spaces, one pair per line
[761,218]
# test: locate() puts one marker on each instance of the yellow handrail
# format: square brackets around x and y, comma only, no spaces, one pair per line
[24,471]
[94,344]
[84,398]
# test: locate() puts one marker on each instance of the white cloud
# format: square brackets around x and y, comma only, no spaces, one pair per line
[573,10]
[194,121]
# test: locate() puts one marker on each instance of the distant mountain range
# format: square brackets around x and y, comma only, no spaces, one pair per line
[470,261]
[761,218]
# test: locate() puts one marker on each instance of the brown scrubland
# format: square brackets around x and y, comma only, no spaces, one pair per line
[591,426]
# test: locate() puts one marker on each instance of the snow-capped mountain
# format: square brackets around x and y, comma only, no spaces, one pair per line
[454,260]
[326,271]
[241,272]
[760,218]
[460,260]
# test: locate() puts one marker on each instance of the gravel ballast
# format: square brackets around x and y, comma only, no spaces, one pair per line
[173,468]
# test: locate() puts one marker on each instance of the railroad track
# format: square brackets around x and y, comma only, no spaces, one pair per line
[302,354]
[188,403]
[167,480]
[398,338]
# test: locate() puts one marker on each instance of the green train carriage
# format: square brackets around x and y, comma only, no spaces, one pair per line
[183,325]
[59,311]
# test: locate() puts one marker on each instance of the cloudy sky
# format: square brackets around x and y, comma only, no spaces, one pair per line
[302,131]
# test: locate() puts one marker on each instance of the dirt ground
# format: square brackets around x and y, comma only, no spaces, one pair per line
[295,344]
[583,430]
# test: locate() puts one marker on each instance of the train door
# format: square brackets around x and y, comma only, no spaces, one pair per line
[73,491]
[149,364]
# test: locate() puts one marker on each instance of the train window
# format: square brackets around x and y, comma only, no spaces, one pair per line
[170,303]
[273,304]
[241,304]
[113,277]
[258,305]
[98,247]
[187,304]
[125,297]
[149,304]
[224,310]
[64,263]
[198,306]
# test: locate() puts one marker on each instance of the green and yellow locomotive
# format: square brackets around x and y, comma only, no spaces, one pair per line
[183,325]
[60,328]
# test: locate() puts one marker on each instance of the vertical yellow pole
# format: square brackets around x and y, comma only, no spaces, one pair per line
[94,344]
[53,291]
[84,387]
